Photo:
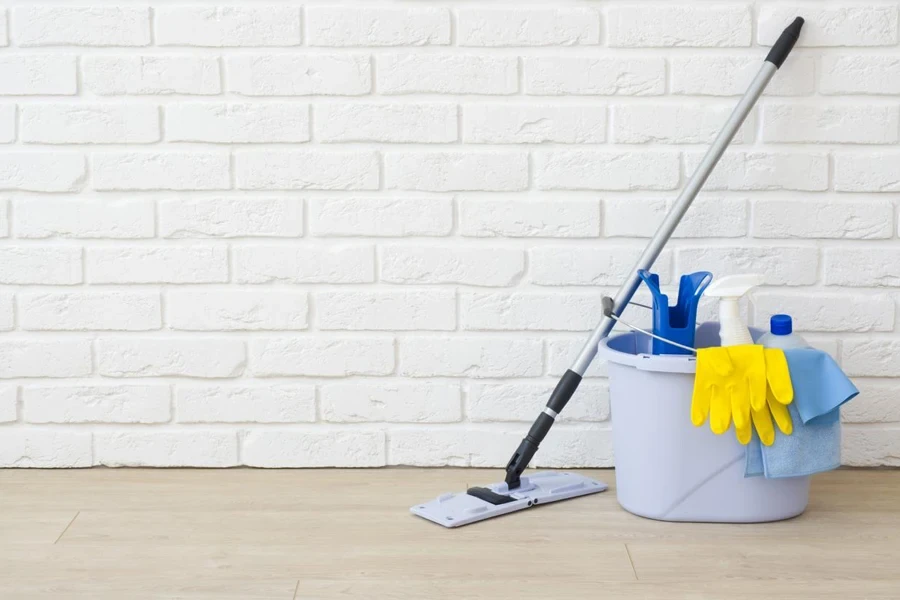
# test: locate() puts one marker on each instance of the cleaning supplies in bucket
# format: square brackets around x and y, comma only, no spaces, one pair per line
[740,381]
[675,323]
[820,388]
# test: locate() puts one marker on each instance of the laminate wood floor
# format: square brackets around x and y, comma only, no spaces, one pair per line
[302,534]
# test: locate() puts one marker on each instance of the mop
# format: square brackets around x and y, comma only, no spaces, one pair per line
[519,492]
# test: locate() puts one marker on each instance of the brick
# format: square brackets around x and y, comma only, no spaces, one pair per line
[226,123]
[43,171]
[307,264]
[451,264]
[562,352]
[299,75]
[422,123]
[447,74]
[304,449]
[860,74]
[844,124]
[4,27]
[109,75]
[586,265]
[306,170]
[171,357]
[871,357]
[456,171]
[528,27]
[382,26]
[580,446]
[95,26]
[171,170]
[866,172]
[96,403]
[745,170]
[388,310]
[848,25]
[585,76]
[523,401]
[876,403]
[396,402]
[230,217]
[862,267]
[45,449]
[321,356]
[451,446]
[89,311]
[828,312]
[34,358]
[380,217]
[870,447]
[83,218]
[454,356]
[7,123]
[287,403]
[680,26]
[707,75]
[89,124]
[8,404]
[7,318]
[533,124]
[781,265]
[43,266]
[606,170]
[75,26]
[166,449]
[830,219]
[675,124]
[227,26]
[4,218]
[157,264]
[708,217]
[529,311]
[236,310]
[38,75]
[556,218]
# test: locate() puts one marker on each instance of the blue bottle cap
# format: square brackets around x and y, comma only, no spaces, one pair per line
[781,324]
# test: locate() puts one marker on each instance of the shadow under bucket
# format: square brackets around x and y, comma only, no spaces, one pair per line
[666,468]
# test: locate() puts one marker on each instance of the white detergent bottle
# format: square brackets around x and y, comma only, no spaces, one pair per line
[781,334]
[729,290]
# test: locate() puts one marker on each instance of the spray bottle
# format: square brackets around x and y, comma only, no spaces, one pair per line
[732,330]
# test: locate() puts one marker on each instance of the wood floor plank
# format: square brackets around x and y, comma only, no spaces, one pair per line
[242,533]
[30,526]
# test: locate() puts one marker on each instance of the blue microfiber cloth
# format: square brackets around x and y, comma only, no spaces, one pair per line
[820,388]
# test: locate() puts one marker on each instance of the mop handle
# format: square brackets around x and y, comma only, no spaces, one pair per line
[572,378]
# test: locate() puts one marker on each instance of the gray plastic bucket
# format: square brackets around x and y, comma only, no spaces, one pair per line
[666,468]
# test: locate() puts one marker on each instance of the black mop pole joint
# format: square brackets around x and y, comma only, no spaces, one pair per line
[524,453]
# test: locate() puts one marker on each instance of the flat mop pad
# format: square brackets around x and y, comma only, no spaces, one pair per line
[480,503]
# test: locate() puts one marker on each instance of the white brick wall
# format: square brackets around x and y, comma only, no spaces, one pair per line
[366,233]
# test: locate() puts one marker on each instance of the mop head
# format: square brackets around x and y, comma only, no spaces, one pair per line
[480,503]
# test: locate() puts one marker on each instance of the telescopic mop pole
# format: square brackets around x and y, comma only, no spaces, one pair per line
[570,380]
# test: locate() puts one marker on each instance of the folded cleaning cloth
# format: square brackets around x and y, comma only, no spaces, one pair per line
[820,388]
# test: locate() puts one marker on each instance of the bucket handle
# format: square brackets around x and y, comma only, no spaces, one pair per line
[607,304]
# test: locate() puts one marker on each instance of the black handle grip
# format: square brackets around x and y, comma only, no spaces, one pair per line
[785,43]
[526,450]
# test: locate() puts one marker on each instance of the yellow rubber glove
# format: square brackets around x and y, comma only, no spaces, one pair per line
[780,389]
[730,384]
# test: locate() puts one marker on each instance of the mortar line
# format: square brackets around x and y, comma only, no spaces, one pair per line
[67,527]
